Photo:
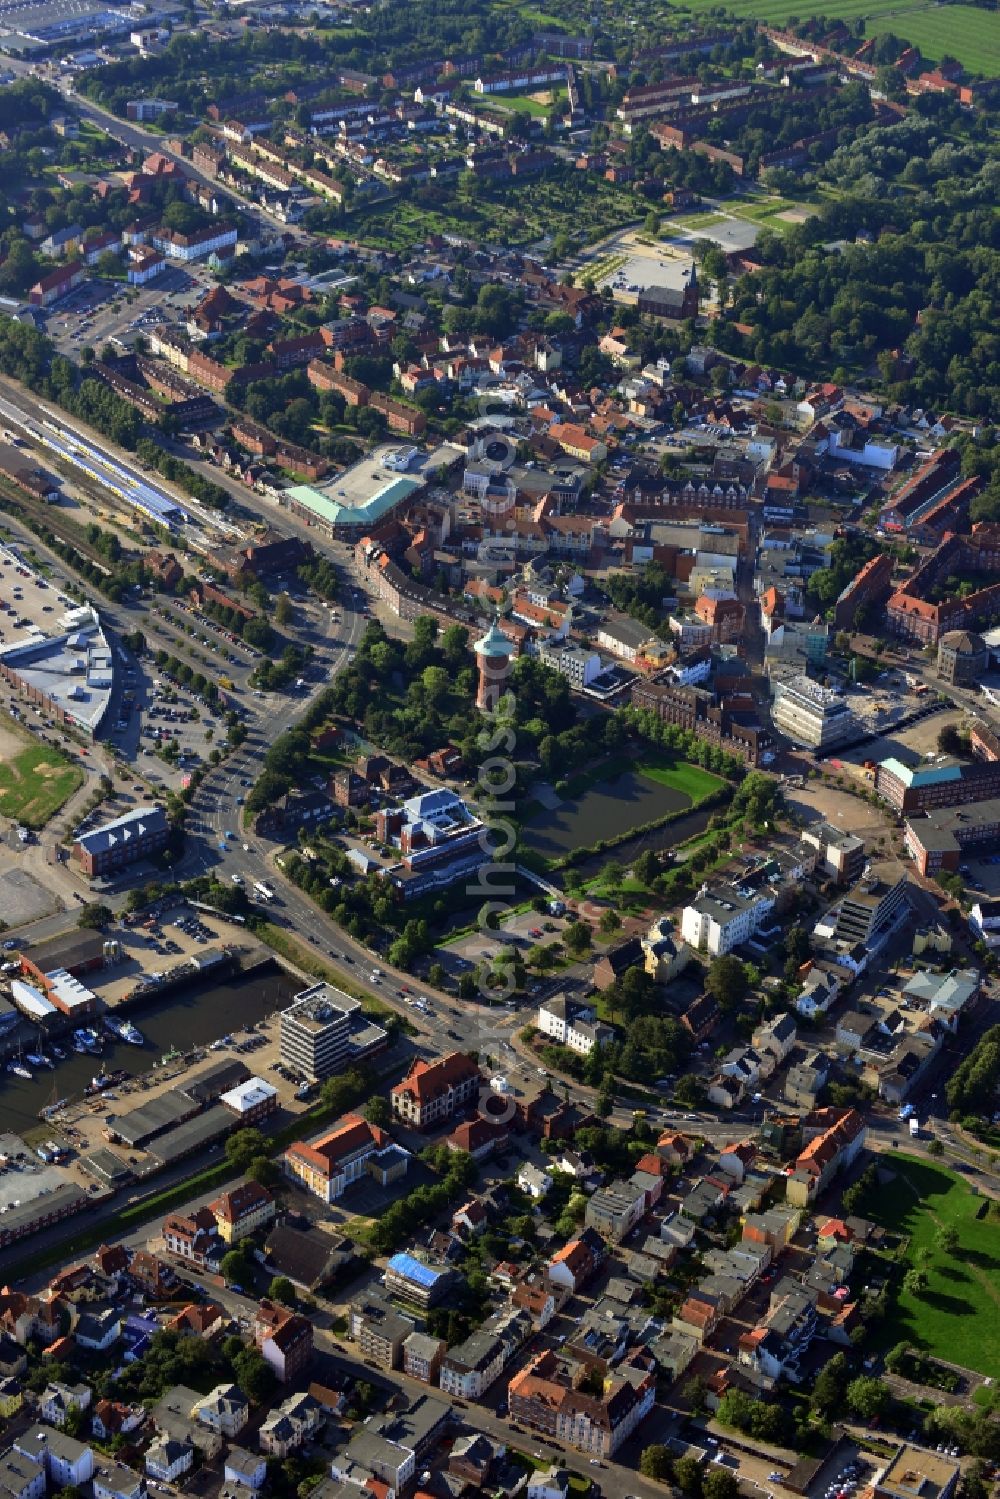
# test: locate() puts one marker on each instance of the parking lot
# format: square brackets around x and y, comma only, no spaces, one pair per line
[101,312]
[164,729]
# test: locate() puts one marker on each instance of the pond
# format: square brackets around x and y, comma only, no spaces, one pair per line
[605,811]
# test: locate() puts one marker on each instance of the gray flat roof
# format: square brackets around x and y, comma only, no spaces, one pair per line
[153,1117]
[203,1129]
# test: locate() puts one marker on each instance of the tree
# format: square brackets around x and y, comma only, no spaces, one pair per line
[726,981]
[829,1386]
[283,609]
[577,937]
[950,741]
[254,1375]
[689,1092]
[868,1397]
[281,1289]
[263,1171]
[946,1239]
[243,1146]
[687,1476]
[656,1462]
[694,1393]
[378,1112]
[235,1268]
[915,1282]
[94,913]
[719,1483]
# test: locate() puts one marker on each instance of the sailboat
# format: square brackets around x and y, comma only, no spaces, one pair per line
[18,1068]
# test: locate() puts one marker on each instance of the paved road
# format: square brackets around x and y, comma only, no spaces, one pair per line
[616,1482]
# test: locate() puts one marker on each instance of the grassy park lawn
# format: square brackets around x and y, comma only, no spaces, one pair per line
[680,775]
[35,782]
[538,108]
[956,1318]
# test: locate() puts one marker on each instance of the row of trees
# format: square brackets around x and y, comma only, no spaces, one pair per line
[399,1222]
[971,1089]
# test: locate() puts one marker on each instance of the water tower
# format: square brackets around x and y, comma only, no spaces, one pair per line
[494,650]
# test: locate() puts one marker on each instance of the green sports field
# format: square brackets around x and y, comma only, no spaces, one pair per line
[963,31]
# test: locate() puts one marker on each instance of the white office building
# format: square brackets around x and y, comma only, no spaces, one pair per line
[817,717]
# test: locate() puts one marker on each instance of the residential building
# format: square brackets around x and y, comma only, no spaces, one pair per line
[413,1280]
[614,1210]
[535,1182]
[217,239]
[723,916]
[114,1481]
[422,1355]
[242,1211]
[572,1023]
[806,1080]
[58,1401]
[775,1038]
[21,1477]
[431,1092]
[984,921]
[248,1469]
[192,1236]
[284,1338]
[289,1425]
[775,1347]
[664,957]
[379,1329]
[225,1409]
[169,1458]
[837,1137]
[11,1397]
[67,1462]
[470,1367]
[573,1265]
[371,1456]
[542,1397]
